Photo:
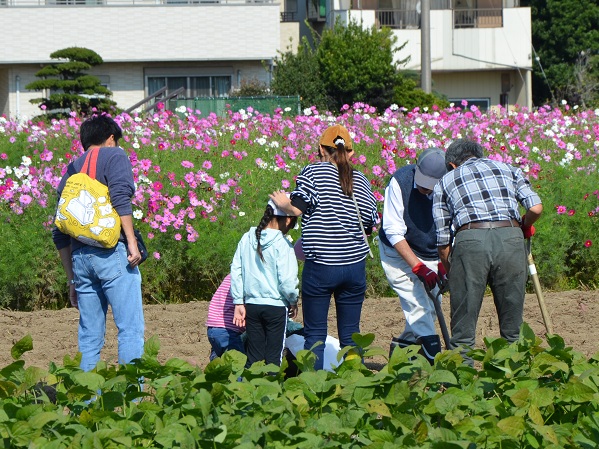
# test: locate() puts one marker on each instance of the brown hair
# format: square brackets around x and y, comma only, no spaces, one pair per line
[340,155]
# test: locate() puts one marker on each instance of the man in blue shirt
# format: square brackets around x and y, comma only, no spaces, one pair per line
[479,199]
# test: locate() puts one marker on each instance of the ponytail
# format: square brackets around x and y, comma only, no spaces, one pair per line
[266,218]
[339,155]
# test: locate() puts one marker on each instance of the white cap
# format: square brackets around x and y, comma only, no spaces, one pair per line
[278,211]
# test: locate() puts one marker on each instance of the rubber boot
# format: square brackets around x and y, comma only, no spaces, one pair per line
[429,347]
[399,343]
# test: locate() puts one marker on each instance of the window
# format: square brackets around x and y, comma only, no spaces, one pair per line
[481,103]
[195,86]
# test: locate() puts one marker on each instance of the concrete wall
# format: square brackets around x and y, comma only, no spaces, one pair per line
[140,33]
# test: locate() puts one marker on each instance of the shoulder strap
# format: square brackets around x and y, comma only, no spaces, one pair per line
[362,225]
[90,163]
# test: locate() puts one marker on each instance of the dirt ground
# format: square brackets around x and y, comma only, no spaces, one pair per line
[182,334]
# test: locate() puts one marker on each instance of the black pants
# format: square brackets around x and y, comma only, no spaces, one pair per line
[266,327]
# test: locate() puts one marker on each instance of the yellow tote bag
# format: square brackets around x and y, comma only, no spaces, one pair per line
[84,211]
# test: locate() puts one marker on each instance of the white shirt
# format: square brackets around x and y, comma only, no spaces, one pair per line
[393,209]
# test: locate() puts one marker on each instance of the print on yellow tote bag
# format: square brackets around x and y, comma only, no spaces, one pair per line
[84,211]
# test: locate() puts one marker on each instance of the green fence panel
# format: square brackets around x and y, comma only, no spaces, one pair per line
[220,106]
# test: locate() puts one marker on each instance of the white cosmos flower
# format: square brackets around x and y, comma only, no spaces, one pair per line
[241,213]
[138,214]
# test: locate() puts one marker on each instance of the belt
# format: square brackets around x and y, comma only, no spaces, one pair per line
[489,225]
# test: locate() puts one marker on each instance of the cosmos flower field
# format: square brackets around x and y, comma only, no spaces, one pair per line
[203,180]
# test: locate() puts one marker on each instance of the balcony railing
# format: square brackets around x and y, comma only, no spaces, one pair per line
[402,19]
[399,19]
[289,16]
[478,18]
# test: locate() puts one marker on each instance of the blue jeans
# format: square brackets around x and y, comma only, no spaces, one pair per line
[347,283]
[222,340]
[103,277]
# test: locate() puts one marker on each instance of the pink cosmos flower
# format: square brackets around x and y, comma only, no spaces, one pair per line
[561,210]
[3,156]
[177,236]
[157,185]
[156,255]
[25,200]
[207,165]
[588,243]
[285,184]
[571,212]
[187,164]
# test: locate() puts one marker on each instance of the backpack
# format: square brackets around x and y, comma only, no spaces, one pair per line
[84,211]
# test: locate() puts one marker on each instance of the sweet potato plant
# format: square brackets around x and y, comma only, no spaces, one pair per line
[530,394]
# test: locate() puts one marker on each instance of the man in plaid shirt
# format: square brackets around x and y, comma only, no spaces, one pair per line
[480,238]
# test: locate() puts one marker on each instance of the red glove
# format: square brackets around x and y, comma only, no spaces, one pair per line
[442,274]
[528,231]
[426,275]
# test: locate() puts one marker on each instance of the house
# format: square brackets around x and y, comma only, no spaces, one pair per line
[481,50]
[206,47]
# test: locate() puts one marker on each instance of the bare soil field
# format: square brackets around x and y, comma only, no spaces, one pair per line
[182,333]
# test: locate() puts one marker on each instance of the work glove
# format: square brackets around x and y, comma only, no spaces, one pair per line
[426,275]
[442,275]
[528,231]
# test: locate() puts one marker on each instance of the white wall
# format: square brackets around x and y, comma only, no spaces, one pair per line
[140,33]
[467,48]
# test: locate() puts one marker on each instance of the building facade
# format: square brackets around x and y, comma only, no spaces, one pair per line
[480,49]
[207,47]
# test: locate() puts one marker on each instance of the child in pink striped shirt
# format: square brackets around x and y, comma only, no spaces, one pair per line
[223,335]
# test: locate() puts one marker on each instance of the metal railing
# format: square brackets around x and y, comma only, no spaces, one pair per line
[289,17]
[478,18]
[399,19]
[158,97]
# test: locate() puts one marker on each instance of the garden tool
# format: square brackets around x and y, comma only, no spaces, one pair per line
[436,299]
[532,269]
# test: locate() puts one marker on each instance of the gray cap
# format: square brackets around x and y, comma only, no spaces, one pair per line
[430,167]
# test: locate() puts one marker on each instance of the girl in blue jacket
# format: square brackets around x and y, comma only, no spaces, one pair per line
[264,285]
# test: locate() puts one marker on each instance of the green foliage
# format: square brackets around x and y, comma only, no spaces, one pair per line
[299,74]
[251,88]
[561,30]
[407,94]
[28,281]
[71,89]
[356,64]
[349,64]
[525,395]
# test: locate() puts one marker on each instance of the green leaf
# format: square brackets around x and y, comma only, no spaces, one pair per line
[362,340]
[7,389]
[379,407]
[441,376]
[512,425]
[21,347]
[92,381]
[41,419]
[577,392]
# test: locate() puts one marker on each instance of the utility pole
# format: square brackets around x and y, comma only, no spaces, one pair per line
[425,48]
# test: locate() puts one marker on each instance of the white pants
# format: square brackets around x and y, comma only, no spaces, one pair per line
[418,308]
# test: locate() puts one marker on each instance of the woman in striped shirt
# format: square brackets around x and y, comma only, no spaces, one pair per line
[328,195]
